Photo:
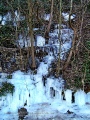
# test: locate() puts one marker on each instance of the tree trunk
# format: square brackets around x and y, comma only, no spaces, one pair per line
[33,66]
[59,37]
[50,20]
[73,43]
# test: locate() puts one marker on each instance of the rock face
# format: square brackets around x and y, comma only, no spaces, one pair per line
[22,112]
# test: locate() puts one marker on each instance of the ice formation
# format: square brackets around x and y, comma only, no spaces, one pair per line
[30,90]
[88,97]
[66,41]
[80,98]
[68,96]
[8,17]
[40,41]
[23,41]
[54,88]
[66,16]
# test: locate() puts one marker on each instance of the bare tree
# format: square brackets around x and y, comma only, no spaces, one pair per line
[33,66]
[59,37]
[50,20]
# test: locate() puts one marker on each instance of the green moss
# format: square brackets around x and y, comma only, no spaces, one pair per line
[6,88]
[9,76]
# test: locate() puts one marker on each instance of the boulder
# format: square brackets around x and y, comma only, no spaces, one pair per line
[22,112]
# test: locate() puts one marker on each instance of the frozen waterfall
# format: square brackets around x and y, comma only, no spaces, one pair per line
[32,91]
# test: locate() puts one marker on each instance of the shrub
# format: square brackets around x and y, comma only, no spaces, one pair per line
[6,88]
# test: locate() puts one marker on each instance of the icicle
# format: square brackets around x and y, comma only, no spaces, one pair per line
[3,102]
[88,97]
[80,97]
[68,96]
[57,95]
[43,49]
[60,95]
[21,98]
[27,98]
[9,99]
[52,92]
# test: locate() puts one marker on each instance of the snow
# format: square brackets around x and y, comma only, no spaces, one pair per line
[63,26]
[17,16]
[23,41]
[3,22]
[35,29]
[66,41]
[2,77]
[47,17]
[43,69]
[66,16]
[8,17]
[40,41]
